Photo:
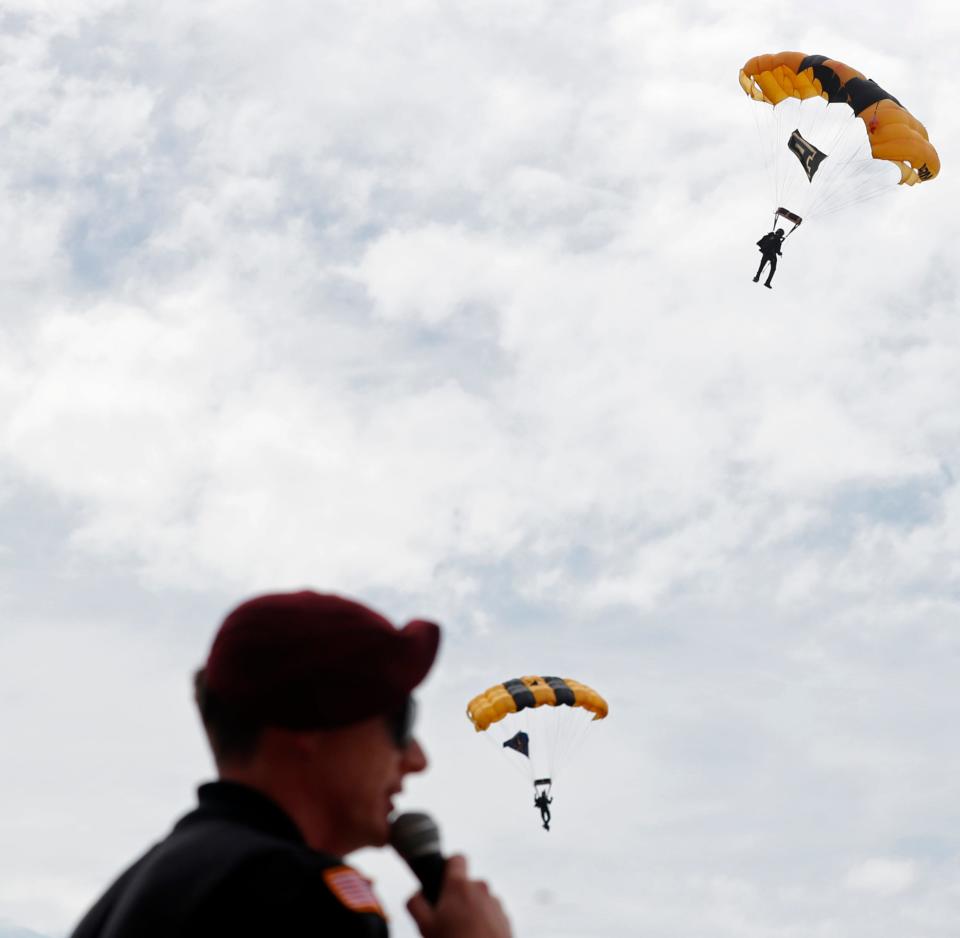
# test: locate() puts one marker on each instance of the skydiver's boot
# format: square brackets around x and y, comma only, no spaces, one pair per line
[768,286]
[756,279]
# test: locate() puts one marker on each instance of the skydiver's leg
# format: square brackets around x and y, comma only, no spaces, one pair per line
[763,263]
[773,269]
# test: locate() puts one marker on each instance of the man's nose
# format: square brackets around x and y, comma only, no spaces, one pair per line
[414,758]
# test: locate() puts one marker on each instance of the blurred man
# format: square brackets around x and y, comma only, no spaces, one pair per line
[306,701]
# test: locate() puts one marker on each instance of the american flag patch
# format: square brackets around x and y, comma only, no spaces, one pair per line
[352,890]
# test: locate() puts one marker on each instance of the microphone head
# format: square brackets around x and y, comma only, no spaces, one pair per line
[415,835]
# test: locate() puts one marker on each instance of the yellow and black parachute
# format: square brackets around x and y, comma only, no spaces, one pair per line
[537,722]
[847,132]
[521,692]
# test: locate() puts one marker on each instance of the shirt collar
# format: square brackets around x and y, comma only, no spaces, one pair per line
[248,805]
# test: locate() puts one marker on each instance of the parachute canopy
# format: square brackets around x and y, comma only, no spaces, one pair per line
[520,693]
[536,723]
[894,134]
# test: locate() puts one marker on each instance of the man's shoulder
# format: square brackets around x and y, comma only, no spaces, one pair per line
[213,875]
[213,850]
[277,887]
[256,879]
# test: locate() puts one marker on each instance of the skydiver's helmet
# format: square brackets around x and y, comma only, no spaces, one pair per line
[779,232]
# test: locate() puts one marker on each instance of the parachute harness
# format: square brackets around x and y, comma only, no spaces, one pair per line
[790,216]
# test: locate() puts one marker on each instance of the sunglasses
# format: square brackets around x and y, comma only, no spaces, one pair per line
[400,723]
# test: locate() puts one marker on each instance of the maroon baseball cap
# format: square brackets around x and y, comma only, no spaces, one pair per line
[316,661]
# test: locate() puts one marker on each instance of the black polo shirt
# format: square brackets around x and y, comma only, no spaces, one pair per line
[235,866]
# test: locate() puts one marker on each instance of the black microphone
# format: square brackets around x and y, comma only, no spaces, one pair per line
[416,838]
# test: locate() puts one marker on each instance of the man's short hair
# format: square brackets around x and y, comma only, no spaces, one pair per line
[233,735]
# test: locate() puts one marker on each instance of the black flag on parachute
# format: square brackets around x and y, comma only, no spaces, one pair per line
[810,157]
[519,741]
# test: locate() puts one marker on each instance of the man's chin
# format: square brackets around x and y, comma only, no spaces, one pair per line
[380,835]
[371,837]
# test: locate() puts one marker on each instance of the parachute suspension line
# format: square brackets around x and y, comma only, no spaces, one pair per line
[828,127]
[561,743]
[838,176]
[820,111]
[840,206]
[764,122]
[570,739]
[842,125]
[864,193]
[793,191]
[764,142]
[556,747]
[782,179]
[825,126]
[854,179]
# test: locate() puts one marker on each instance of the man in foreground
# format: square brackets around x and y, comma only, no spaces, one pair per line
[306,702]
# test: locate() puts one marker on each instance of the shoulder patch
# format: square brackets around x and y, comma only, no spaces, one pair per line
[352,889]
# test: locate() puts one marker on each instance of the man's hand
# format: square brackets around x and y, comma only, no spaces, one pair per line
[465,909]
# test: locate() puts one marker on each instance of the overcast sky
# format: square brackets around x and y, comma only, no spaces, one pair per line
[447,306]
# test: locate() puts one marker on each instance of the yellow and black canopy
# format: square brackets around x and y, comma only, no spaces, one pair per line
[520,693]
[894,133]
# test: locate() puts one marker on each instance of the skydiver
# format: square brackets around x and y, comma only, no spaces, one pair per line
[543,802]
[769,245]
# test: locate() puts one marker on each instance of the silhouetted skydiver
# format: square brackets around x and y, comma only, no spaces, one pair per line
[543,802]
[769,245]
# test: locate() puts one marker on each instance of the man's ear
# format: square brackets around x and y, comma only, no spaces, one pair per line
[305,742]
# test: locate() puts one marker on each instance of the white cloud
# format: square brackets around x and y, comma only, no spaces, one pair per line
[448,305]
[883,877]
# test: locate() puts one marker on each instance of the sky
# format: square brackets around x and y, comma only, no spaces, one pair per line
[447,306]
